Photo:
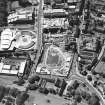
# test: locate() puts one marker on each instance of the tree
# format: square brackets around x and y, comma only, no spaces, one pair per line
[75,84]
[2,89]
[98,46]
[94,72]
[3,13]
[84,73]
[48,2]
[89,77]
[58,1]
[103,59]
[94,100]
[78,96]
[33,78]
[89,67]
[95,60]
[72,92]
[24,3]
[69,88]
[85,95]
[88,96]
[77,32]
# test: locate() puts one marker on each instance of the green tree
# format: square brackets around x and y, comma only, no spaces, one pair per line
[94,100]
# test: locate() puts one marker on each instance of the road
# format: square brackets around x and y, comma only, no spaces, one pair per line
[39,38]
[102,53]
[76,75]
